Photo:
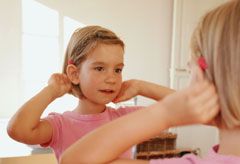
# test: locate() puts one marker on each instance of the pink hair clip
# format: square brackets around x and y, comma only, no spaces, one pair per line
[70,62]
[202,63]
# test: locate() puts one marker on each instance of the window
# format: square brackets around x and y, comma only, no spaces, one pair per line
[42,49]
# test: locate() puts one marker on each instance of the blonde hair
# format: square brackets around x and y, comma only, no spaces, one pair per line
[82,42]
[217,38]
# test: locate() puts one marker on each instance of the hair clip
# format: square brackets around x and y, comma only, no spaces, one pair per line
[70,62]
[202,63]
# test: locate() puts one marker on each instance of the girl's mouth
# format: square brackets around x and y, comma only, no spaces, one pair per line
[107,91]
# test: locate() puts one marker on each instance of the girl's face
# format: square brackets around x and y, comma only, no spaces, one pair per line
[101,73]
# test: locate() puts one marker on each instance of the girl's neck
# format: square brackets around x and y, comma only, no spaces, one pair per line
[229,142]
[88,107]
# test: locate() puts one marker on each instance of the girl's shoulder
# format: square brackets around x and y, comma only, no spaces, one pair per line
[54,116]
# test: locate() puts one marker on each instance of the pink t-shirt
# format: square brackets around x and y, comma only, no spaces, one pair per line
[212,158]
[71,126]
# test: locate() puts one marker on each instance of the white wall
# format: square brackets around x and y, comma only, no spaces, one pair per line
[145,26]
[10,56]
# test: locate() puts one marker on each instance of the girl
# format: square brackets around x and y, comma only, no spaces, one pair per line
[93,73]
[216,50]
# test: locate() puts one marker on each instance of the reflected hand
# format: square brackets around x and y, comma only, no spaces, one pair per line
[128,90]
[60,84]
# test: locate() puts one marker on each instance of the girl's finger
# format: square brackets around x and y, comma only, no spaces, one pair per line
[119,99]
[207,104]
[198,88]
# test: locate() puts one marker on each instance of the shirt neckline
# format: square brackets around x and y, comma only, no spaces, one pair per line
[96,116]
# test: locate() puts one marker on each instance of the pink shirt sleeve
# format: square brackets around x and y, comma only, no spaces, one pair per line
[54,120]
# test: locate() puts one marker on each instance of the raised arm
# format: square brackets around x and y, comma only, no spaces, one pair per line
[26,126]
[196,104]
[132,88]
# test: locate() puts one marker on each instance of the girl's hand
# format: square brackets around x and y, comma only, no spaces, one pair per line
[128,90]
[60,84]
[197,104]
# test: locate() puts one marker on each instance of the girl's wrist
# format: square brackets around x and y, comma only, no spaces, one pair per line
[139,86]
[162,116]
[168,113]
[51,92]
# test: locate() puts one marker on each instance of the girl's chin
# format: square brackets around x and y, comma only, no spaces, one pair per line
[104,102]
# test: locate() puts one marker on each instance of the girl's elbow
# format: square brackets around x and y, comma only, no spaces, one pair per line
[17,134]
[12,131]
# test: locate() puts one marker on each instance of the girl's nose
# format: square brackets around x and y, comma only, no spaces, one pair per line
[111,78]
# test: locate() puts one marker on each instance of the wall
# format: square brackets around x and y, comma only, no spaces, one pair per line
[10,56]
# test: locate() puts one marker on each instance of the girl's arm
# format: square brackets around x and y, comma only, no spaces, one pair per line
[132,88]
[26,126]
[153,91]
[196,104]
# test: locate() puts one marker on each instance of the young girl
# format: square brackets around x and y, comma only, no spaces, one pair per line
[215,59]
[93,73]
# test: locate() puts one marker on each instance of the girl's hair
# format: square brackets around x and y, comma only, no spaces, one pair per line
[82,42]
[217,39]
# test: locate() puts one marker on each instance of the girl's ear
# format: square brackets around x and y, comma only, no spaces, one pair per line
[196,74]
[73,74]
[200,76]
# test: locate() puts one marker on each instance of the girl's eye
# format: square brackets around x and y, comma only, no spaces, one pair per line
[99,69]
[118,70]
